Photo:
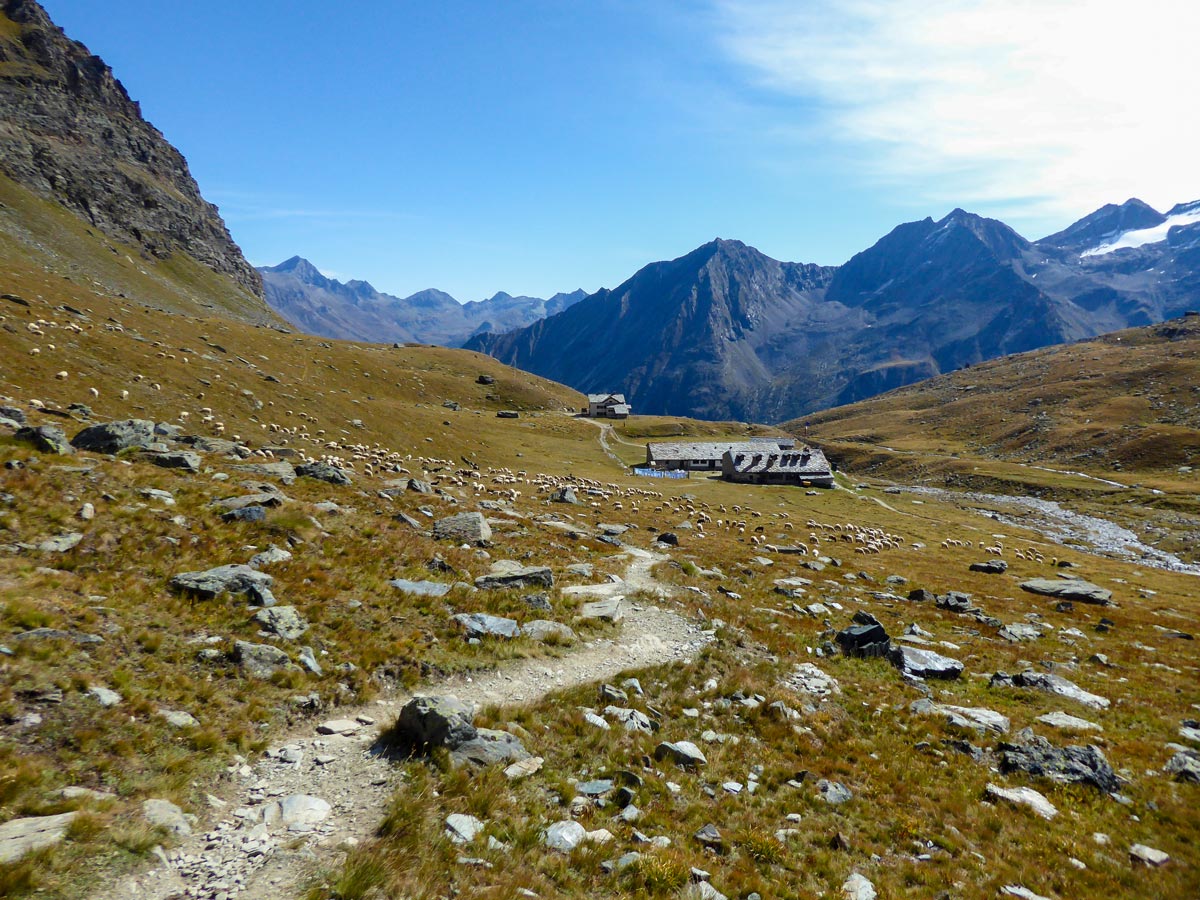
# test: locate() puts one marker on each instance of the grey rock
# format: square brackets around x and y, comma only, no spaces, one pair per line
[833,792]
[524,768]
[297,810]
[546,631]
[972,718]
[165,814]
[1021,892]
[564,495]
[918,663]
[518,577]
[113,437]
[1065,765]
[19,837]
[177,718]
[564,836]
[420,588]
[809,679]
[46,439]
[1019,631]
[1068,589]
[234,579]
[58,634]
[284,621]
[464,528]
[245,514]
[709,835]
[61,543]
[990,567]
[462,829]
[596,788]
[668,538]
[702,890]
[631,719]
[479,625]
[13,414]
[308,660]
[1068,722]
[489,747]
[323,472]
[281,469]
[1185,766]
[263,498]
[106,697]
[269,557]
[858,887]
[186,460]
[426,722]
[682,753]
[1022,796]
[259,660]
[1141,855]
[581,570]
[1060,687]
[607,610]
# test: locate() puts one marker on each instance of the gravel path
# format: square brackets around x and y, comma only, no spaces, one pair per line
[238,856]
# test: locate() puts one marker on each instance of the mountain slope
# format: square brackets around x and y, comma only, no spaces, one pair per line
[298,291]
[71,136]
[927,298]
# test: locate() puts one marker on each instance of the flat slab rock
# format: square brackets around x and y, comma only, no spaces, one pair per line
[234,579]
[682,753]
[21,836]
[464,528]
[974,718]
[1068,589]
[515,576]
[421,588]
[481,625]
[1060,687]
[1068,722]
[1063,765]
[919,663]
[808,679]
[608,610]
[1022,796]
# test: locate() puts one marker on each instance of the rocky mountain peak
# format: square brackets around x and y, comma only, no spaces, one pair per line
[1107,222]
[71,133]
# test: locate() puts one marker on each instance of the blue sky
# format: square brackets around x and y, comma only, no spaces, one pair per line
[535,146]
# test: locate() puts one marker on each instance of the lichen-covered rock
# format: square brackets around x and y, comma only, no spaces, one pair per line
[113,437]
[46,439]
[323,472]
[259,660]
[464,528]
[234,579]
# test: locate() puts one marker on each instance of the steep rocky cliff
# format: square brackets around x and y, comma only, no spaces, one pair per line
[69,132]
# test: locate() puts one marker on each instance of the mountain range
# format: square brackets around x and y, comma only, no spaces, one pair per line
[300,293]
[726,332]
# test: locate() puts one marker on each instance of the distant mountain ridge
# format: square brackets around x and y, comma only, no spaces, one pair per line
[354,310]
[726,332]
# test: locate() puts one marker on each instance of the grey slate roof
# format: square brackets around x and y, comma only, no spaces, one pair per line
[662,450]
[808,461]
[600,398]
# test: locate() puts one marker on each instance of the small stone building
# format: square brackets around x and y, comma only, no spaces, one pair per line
[805,467]
[606,406]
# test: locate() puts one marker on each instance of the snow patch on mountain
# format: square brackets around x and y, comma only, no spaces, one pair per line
[1188,215]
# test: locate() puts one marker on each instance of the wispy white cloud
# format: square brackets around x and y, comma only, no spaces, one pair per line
[1044,107]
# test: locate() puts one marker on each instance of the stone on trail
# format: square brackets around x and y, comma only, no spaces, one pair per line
[166,814]
[259,660]
[297,810]
[1022,796]
[564,836]
[464,528]
[21,836]
[427,722]
[113,437]
[46,439]
[857,887]
[480,625]
[338,726]
[234,579]
[918,663]
[462,829]
[682,753]
[284,621]
[1068,589]
[608,610]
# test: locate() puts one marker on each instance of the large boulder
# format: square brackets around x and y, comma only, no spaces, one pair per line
[464,528]
[113,437]
[234,579]
[187,460]
[323,472]
[1063,765]
[682,753]
[1068,589]
[46,439]
[427,722]
[284,621]
[21,836]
